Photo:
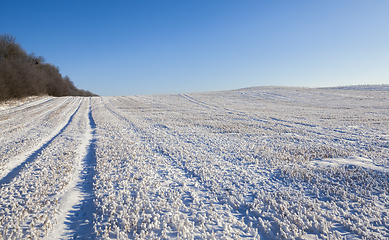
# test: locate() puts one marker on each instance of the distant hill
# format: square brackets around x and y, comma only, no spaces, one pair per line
[382,87]
[23,75]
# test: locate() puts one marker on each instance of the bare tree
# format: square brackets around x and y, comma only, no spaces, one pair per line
[23,74]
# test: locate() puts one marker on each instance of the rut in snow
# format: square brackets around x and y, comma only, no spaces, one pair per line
[82,219]
[16,165]
[76,220]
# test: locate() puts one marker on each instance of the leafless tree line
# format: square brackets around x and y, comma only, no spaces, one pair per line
[23,75]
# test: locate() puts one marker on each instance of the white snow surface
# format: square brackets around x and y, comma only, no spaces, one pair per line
[351,161]
[256,163]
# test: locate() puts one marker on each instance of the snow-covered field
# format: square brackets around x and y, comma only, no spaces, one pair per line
[257,163]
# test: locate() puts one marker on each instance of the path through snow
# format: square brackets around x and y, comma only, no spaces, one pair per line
[77,208]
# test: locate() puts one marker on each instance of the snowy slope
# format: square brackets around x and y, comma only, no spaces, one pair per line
[257,163]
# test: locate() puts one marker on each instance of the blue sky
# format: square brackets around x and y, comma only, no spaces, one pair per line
[157,47]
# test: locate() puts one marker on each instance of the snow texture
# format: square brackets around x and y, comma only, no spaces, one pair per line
[256,163]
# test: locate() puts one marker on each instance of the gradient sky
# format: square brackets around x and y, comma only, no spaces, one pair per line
[157,47]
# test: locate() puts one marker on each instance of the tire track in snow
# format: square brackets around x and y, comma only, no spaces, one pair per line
[31,128]
[76,220]
[215,107]
[172,176]
[15,165]
[28,105]
[13,121]
[192,100]
[201,197]
[307,128]
[120,117]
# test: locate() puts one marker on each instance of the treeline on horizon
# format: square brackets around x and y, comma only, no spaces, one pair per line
[23,75]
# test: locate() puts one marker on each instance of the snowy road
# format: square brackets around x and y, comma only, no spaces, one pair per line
[259,163]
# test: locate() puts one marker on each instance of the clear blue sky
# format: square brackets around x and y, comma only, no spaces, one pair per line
[156,47]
